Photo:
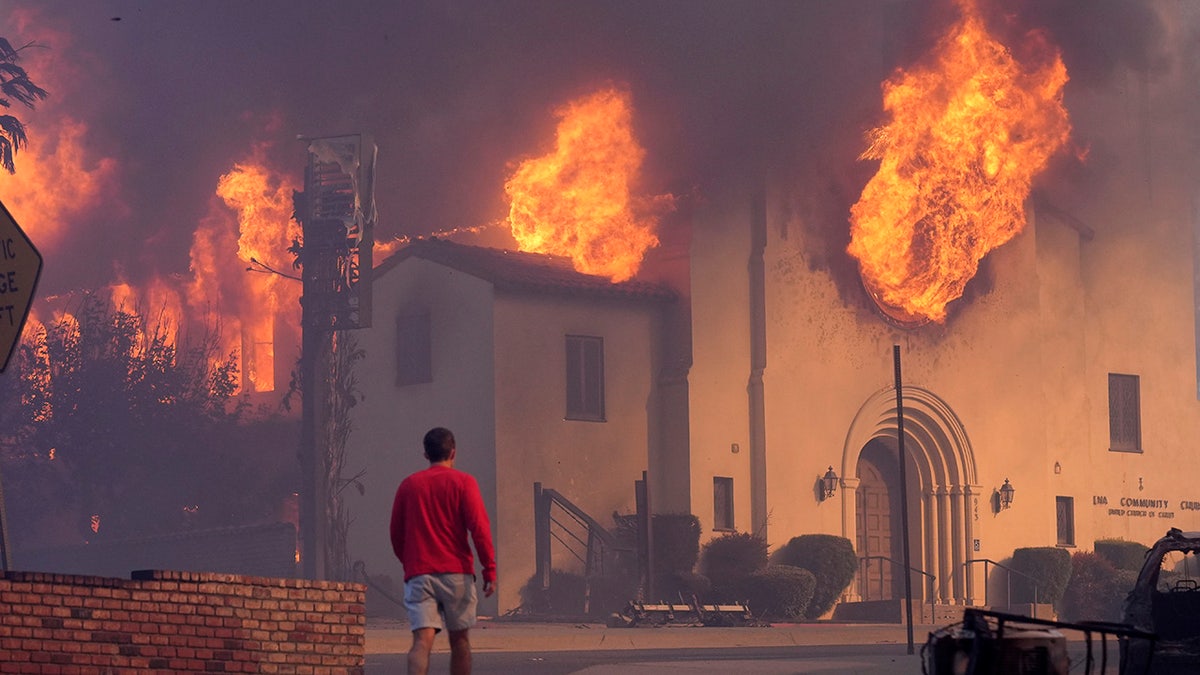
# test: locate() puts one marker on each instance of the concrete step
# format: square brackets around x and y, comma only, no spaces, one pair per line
[924,613]
[892,611]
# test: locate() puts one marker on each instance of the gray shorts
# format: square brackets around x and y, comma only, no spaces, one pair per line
[430,597]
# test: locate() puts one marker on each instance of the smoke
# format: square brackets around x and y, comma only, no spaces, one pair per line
[171,95]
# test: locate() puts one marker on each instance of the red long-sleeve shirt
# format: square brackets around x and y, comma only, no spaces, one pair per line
[434,512]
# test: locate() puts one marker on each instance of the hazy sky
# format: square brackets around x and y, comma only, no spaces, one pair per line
[164,97]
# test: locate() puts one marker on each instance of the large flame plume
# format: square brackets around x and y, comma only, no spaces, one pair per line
[63,185]
[577,201]
[967,135]
[58,179]
[248,305]
[249,225]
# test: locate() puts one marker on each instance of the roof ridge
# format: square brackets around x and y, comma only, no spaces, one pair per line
[515,270]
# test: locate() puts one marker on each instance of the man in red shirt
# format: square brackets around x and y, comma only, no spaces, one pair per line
[434,511]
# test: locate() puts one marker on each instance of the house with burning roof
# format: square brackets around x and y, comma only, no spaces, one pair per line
[544,375]
[1055,403]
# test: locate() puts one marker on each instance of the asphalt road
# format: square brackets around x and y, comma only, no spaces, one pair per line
[867,659]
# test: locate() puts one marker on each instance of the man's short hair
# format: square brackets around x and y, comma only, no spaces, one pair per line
[439,442]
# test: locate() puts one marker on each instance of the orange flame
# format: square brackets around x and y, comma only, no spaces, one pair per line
[248,304]
[576,201]
[966,138]
[37,194]
[58,180]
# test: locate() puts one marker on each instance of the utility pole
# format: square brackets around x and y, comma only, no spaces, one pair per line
[336,211]
[908,595]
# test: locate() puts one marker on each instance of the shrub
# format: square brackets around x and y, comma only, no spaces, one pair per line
[1097,589]
[733,555]
[676,542]
[610,593]
[671,586]
[832,561]
[729,559]
[1049,567]
[565,595]
[1124,555]
[775,591]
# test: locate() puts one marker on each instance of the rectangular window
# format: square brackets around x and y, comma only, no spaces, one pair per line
[585,378]
[1066,520]
[1124,413]
[414,349]
[722,504]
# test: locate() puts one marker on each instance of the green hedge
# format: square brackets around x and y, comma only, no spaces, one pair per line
[732,555]
[728,560]
[1049,567]
[676,542]
[1124,555]
[774,592]
[570,592]
[565,595]
[677,586]
[830,559]
[1097,589]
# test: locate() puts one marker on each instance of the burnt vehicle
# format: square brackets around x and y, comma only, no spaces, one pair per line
[1165,601]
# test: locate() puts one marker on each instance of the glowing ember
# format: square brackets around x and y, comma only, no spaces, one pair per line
[576,201]
[966,138]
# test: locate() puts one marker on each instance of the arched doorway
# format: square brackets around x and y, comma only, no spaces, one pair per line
[941,488]
[878,523]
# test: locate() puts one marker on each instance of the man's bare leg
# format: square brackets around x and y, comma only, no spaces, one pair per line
[460,652]
[418,654]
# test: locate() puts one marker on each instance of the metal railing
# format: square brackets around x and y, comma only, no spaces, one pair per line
[1007,581]
[580,534]
[864,570]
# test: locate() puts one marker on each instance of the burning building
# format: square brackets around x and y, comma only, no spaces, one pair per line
[1019,221]
[1046,327]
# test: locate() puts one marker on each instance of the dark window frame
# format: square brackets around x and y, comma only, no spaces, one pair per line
[585,378]
[1124,413]
[723,504]
[414,348]
[1064,517]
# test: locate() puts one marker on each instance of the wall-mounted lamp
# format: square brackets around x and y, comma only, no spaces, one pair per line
[1006,494]
[1057,468]
[828,484]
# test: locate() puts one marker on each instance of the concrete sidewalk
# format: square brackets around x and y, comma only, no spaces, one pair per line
[392,637]
[388,636]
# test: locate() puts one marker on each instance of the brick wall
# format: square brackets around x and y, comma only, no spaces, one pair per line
[171,622]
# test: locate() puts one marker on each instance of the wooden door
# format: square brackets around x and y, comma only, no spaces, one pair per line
[876,533]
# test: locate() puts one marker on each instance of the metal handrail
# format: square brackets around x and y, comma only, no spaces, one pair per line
[932,577]
[584,519]
[1008,581]
[867,558]
[591,546]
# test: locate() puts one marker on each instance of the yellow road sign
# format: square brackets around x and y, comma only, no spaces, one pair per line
[20,266]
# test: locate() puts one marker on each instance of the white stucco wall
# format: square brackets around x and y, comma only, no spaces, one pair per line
[720,372]
[391,421]
[593,464]
[499,383]
[1140,294]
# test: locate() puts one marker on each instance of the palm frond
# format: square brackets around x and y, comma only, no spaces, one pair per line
[7,53]
[15,84]
[12,139]
[6,155]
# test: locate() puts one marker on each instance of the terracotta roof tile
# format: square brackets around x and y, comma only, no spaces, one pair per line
[528,272]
